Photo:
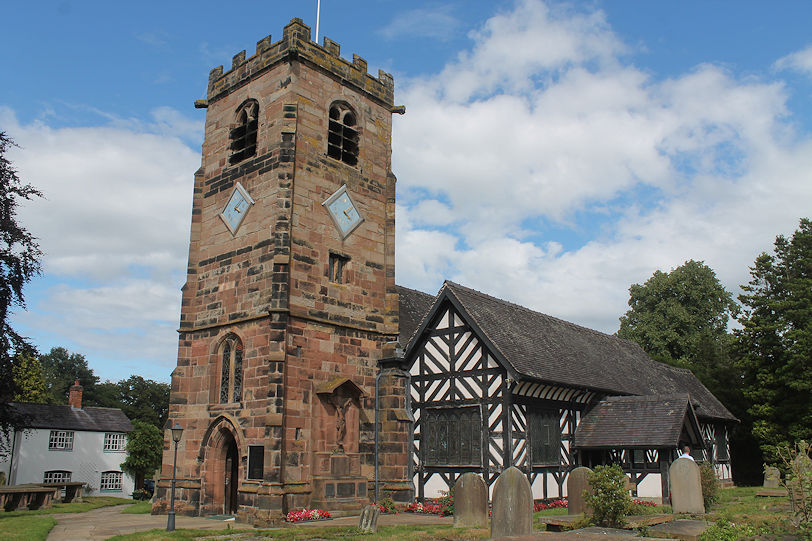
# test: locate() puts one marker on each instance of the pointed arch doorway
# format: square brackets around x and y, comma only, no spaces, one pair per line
[221,469]
[230,477]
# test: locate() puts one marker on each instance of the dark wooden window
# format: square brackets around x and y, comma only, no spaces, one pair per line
[342,134]
[721,444]
[337,266]
[231,370]
[545,438]
[452,437]
[244,135]
[256,461]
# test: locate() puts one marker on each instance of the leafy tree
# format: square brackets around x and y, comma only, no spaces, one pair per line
[775,341]
[680,317]
[29,379]
[61,369]
[140,399]
[144,451]
[19,262]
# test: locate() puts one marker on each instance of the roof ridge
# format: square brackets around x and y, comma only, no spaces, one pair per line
[536,312]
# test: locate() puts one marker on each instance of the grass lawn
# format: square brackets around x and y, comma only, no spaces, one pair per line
[741,505]
[345,533]
[33,526]
[25,528]
[138,508]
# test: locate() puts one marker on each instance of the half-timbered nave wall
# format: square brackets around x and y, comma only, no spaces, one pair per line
[474,412]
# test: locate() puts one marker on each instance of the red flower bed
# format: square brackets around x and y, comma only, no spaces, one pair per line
[560,503]
[643,502]
[307,514]
[429,509]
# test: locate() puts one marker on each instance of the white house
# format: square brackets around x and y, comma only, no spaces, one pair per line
[70,443]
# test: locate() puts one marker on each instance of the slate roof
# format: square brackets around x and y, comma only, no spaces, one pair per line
[646,422]
[539,347]
[414,305]
[67,418]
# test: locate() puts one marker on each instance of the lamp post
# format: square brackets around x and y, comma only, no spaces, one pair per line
[177,433]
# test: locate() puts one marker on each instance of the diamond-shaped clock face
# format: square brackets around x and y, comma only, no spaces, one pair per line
[343,211]
[237,207]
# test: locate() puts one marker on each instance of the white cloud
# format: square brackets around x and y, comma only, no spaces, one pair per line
[113,225]
[543,122]
[800,61]
[437,23]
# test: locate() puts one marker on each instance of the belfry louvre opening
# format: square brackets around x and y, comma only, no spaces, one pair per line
[342,137]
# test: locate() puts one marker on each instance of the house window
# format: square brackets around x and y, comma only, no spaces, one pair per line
[256,459]
[231,370]
[452,437]
[721,445]
[342,135]
[244,135]
[110,480]
[60,440]
[56,476]
[336,268]
[545,438]
[114,441]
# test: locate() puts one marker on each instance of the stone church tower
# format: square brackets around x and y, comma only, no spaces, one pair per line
[290,299]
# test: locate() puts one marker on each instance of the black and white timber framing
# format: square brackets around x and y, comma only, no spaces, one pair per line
[494,385]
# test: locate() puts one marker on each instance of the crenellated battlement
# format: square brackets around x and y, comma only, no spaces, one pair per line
[297,45]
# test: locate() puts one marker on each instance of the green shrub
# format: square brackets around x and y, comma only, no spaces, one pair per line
[609,499]
[724,530]
[710,485]
[797,465]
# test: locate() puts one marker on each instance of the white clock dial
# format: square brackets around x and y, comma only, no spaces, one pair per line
[237,207]
[343,211]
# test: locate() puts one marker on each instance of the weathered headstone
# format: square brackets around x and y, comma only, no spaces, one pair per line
[369,519]
[577,483]
[686,487]
[470,501]
[512,504]
[772,476]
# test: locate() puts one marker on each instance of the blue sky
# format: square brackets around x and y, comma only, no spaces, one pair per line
[552,153]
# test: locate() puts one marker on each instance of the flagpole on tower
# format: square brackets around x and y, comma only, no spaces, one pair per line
[318,9]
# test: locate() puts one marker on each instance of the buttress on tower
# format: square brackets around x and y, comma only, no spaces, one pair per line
[290,300]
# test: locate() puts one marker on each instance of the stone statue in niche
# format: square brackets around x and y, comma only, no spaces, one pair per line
[339,424]
[340,402]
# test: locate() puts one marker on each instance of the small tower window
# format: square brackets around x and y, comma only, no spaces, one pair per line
[342,137]
[337,268]
[231,370]
[244,135]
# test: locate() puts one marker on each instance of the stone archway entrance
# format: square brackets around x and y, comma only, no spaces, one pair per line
[231,478]
[221,471]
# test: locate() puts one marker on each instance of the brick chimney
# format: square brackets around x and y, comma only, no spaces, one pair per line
[75,395]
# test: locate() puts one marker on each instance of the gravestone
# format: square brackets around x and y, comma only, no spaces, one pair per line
[512,504]
[577,483]
[369,519]
[470,501]
[686,487]
[772,477]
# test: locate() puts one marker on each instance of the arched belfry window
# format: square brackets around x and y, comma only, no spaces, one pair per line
[244,135]
[342,136]
[230,369]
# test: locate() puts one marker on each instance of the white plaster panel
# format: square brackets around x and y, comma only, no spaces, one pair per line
[86,461]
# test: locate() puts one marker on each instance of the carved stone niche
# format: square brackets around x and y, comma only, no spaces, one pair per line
[337,479]
[340,405]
